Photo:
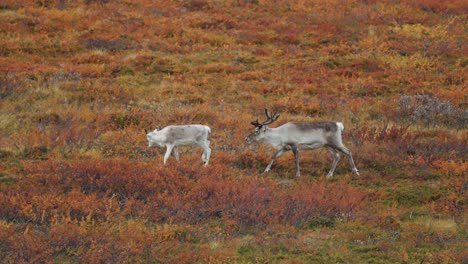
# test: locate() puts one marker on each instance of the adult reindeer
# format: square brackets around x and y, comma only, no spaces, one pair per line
[301,135]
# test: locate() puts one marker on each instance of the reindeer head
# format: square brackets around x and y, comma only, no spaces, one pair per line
[150,136]
[261,127]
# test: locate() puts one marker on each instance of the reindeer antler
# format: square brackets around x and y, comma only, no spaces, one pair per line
[270,119]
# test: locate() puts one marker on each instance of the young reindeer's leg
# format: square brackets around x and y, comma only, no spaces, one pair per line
[168,152]
[336,158]
[176,153]
[295,150]
[206,152]
[275,156]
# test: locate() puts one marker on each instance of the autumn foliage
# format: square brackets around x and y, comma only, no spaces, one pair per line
[81,80]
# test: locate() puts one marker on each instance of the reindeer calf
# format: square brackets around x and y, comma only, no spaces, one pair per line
[174,136]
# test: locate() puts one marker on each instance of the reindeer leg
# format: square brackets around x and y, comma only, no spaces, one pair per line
[168,153]
[295,150]
[348,154]
[176,153]
[206,152]
[336,158]
[275,156]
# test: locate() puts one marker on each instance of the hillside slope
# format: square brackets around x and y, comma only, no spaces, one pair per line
[81,80]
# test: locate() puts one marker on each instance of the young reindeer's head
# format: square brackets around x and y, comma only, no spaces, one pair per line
[261,127]
[150,136]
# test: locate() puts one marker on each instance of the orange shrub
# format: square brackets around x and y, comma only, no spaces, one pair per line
[451,167]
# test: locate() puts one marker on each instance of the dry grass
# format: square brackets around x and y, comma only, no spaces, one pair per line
[80,81]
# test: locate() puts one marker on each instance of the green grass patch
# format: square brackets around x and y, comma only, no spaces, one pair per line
[320,222]
[414,195]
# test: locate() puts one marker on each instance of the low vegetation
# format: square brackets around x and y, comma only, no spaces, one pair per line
[80,81]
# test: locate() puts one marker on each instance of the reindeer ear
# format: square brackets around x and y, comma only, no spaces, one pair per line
[256,123]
